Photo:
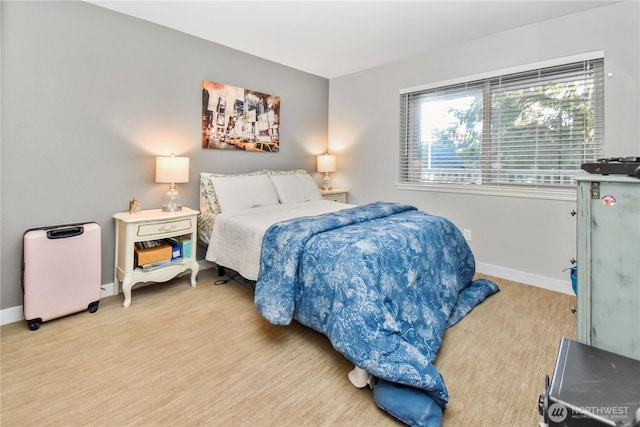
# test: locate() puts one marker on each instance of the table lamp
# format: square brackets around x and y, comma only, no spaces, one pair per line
[326,164]
[172,170]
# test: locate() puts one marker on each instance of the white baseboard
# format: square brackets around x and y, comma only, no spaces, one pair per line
[544,282]
[14,314]
[106,290]
[11,315]
[204,264]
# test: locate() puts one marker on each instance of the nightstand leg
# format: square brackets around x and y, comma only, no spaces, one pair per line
[126,290]
[195,268]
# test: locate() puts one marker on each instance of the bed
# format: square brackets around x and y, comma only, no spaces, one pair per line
[382,281]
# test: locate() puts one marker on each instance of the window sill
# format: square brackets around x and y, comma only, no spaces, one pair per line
[550,193]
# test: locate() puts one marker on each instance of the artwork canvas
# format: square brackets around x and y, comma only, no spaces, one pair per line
[234,118]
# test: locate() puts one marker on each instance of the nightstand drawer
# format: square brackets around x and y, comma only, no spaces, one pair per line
[340,198]
[335,195]
[159,228]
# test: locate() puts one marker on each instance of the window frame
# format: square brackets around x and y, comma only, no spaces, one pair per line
[566,193]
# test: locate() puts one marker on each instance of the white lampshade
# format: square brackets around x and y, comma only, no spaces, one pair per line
[172,169]
[327,163]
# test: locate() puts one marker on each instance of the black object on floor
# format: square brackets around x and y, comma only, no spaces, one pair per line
[591,387]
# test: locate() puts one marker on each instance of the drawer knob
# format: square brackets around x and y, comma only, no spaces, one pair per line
[166,228]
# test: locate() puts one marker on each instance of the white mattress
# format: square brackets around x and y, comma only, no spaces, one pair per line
[236,239]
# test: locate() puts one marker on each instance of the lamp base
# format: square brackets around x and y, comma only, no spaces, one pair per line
[172,202]
[326,183]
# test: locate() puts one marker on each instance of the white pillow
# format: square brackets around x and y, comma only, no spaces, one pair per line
[244,192]
[296,188]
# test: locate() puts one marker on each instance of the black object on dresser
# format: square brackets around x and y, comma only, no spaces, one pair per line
[614,166]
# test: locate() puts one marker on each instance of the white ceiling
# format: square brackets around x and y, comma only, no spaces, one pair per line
[334,38]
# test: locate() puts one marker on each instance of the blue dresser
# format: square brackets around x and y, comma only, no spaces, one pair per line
[608,249]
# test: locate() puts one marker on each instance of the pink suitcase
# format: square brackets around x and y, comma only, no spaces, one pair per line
[61,271]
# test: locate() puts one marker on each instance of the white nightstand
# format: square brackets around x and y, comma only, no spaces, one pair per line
[336,195]
[149,225]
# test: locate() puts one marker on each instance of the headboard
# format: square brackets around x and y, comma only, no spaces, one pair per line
[209,205]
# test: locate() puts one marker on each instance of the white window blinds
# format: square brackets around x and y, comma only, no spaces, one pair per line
[531,128]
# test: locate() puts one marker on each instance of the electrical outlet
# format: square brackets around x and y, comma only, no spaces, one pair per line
[467,234]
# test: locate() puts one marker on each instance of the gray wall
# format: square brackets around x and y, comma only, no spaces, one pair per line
[530,240]
[90,97]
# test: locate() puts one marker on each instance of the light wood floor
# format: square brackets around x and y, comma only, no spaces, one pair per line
[183,356]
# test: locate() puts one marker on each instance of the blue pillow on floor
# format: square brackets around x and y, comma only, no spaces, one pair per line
[410,405]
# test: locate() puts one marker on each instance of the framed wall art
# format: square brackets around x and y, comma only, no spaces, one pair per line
[234,118]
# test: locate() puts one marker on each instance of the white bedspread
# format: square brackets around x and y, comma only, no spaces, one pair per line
[236,239]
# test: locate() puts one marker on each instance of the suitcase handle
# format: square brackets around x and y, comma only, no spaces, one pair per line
[64,233]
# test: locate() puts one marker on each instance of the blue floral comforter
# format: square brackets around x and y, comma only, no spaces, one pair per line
[382,281]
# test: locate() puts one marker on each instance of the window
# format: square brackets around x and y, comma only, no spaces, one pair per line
[527,128]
